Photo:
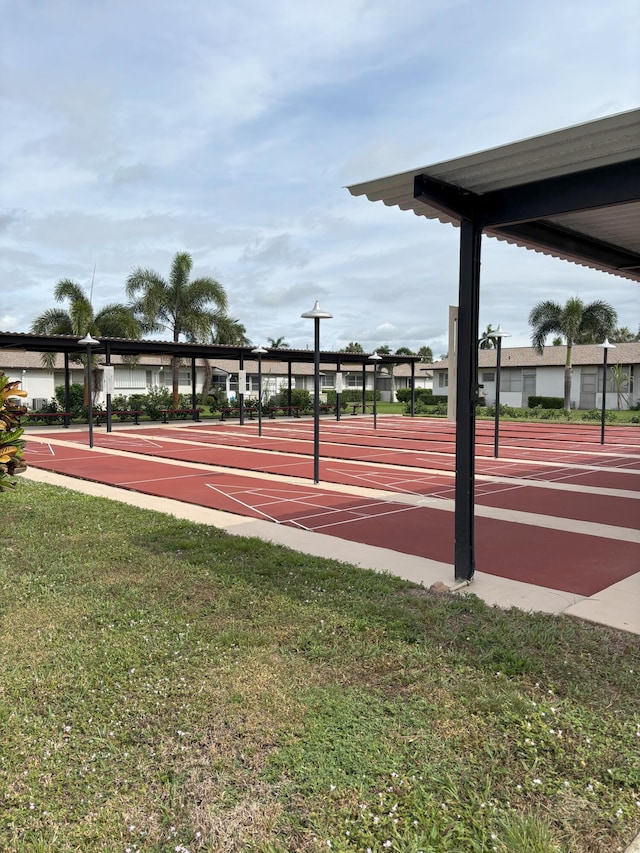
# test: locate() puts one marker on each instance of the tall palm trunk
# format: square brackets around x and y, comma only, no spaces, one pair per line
[568,377]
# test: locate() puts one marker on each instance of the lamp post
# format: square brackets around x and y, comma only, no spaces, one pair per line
[316,314]
[498,335]
[375,358]
[605,345]
[259,351]
[89,342]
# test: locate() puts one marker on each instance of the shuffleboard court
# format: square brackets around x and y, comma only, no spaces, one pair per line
[217,472]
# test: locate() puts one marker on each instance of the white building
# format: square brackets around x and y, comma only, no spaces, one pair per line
[524,372]
[151,371]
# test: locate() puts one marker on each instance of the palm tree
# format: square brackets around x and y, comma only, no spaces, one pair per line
[353,346]
[112,321]
[577,323]
[623,335]
[179,306]
[278,343]
[426,354]
[487,342]
[227,332]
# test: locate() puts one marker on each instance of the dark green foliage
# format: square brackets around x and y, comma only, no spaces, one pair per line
[76,399]
[351,395]
[299,398]
[535,402]
[404,396]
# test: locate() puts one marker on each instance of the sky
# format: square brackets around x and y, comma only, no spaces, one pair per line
[134,129]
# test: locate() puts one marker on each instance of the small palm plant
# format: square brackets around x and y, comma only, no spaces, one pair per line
[11,442]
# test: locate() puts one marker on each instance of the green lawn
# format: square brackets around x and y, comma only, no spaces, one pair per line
[166,687]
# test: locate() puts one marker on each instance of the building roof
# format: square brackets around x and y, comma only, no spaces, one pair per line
[573,194]
[17,359]
[134,347]
[551,356]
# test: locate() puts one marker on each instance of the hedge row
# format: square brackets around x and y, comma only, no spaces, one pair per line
[545,402]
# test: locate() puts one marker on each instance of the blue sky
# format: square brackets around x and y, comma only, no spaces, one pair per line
[133,129]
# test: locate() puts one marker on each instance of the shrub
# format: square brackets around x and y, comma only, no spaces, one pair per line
[300,398]
[351,395]
[11,441]
[535,402]
[120,401]
[404,395]
[155,399]
[76,399]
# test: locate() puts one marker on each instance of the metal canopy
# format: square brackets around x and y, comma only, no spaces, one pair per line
[573,194]
[123,346]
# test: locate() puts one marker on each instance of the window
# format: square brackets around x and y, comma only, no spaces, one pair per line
[511,379]
[126,377]
[252,382]
[489,376]
[184,377]
[618,378]
[443,379]
[354,380]
[327,380]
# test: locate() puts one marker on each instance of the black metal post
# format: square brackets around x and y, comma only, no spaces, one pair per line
[338,394]
[375,394]
[89,395]
[496,428]
[604,394]
[467,396]
[107,361]
[194,394]
[413,389]
[259,393]
[316,401]
[241,391]
[67,389]
[364,388]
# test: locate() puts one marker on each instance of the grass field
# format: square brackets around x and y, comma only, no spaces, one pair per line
[167,687]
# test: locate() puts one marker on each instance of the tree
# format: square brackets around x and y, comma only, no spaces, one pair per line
[353,346]
[623,335]
[112,321]
[404,351]
[177,305]
[576,322]
[278,343]
[229,331]
[620,380]
[426,354]
[487,342]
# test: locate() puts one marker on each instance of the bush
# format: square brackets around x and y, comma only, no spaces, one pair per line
[11,441]
[76,399]
[351,395]
[299,398]
[545,402]
[155,399]
[120,402]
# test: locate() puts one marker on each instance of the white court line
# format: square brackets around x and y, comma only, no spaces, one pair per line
[250,507]
[364,518]
[35,450]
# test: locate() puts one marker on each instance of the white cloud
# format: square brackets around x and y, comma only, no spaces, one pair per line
[133,130]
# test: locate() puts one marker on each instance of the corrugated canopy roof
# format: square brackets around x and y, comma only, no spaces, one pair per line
[573,194]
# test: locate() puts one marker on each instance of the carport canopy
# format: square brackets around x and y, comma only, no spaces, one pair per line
[573,194]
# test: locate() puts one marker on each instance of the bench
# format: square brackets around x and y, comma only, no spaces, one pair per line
[356,408]
[180,413]
[327,409]
[122,414]
[34,417]
[292,411]
[234,412]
